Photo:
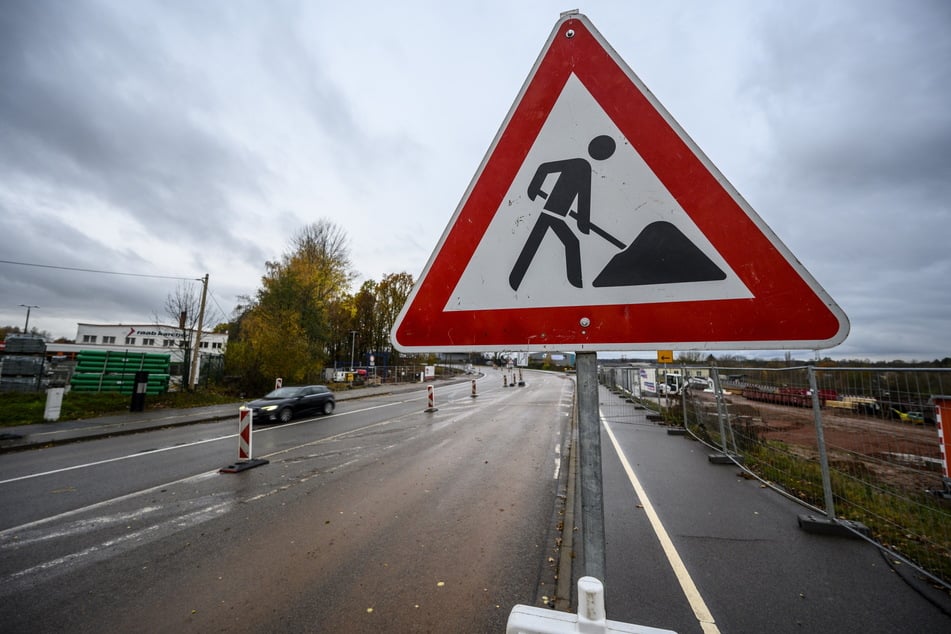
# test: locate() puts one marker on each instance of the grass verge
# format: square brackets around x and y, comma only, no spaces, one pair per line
[26,408]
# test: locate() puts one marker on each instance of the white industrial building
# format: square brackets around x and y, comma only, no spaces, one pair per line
[150,338]
[147,338]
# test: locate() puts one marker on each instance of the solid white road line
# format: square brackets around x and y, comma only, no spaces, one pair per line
[696,602]
[151,452]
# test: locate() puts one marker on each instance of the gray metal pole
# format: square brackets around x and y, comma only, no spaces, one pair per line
[193,377]
[26,326]
[589,439]
[821,444]
[718,392]
[683,394]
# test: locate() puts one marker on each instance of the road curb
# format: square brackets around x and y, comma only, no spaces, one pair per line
[25,443]
[566,553]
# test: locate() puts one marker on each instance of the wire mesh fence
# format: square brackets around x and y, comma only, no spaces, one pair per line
[860,445]
[392,374]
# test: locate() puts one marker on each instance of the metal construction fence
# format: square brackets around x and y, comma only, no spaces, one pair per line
[389,374]
[860,447]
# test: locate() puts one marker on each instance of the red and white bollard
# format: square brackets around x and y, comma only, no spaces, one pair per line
[245,416]
[474,389]
[245,430]
[431,398]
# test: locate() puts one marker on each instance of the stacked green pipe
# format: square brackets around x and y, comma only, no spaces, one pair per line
[108,371]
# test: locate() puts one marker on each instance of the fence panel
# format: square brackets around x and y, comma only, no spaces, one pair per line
[880,463]
[883,461]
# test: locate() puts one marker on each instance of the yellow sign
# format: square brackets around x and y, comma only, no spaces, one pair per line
[665,356]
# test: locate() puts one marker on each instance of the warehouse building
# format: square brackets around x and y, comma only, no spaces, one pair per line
[148,338]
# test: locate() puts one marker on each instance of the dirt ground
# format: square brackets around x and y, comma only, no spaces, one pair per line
[900,454]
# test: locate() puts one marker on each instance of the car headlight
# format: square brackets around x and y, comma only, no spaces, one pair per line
[269,408]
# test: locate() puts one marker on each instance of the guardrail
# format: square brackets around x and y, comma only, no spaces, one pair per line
[859,447]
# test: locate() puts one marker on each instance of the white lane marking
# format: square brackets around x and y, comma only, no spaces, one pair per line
[128,496]
[142,454]
[192,478]
[91,507]
[183,521]
[80,527]
[138,454]
[697,604]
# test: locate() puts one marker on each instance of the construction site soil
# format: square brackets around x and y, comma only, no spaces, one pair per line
[901,454]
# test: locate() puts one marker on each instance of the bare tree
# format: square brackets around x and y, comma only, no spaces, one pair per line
[186,300]
[181,309]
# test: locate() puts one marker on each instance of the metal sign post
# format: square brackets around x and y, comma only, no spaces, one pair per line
[589,439]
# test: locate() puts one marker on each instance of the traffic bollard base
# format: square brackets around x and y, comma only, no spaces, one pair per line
[837,528]
[243,465]
[722,458]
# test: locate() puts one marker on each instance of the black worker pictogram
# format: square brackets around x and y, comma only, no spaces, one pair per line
[661,253]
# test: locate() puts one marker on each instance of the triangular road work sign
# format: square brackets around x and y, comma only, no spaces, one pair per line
[595,223]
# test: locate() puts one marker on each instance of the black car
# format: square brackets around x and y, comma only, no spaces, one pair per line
[286,402]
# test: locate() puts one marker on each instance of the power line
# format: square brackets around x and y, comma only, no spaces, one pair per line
[215,300]
[69,268]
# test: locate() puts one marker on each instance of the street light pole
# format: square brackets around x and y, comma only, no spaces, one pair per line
[353,342]
[26,326]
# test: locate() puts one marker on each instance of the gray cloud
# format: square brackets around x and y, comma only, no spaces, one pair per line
[208,132]
[859,167]
[97,107]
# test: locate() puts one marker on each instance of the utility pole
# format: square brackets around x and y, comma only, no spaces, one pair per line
[193,376]
[353,343]
[26,326]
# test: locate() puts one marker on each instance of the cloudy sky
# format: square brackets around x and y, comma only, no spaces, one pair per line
[179,138]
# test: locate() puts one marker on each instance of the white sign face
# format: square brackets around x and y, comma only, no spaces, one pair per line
[627,200]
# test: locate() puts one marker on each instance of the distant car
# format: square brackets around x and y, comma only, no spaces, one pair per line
[915,418]
[285,403]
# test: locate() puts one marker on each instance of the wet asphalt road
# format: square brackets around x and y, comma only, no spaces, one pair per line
[381,517]
[384,517]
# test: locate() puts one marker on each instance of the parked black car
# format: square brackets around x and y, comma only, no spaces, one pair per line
[284,403]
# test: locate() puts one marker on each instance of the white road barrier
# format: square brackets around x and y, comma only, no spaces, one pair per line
[590,619]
